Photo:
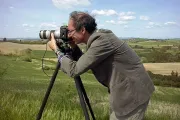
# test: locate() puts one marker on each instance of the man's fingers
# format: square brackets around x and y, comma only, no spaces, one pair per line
[52,36]
[49,44]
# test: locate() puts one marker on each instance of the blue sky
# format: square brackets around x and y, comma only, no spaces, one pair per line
[126,18]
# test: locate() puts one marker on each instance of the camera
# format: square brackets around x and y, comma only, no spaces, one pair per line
[61,37]
[58,34]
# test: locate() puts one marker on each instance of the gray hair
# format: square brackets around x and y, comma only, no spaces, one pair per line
[82,19]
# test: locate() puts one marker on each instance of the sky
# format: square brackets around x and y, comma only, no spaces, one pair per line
[126,18]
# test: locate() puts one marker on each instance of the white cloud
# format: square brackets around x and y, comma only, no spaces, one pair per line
[111,21]
[170,23]
[97,20]
[101,25]
[149,26]
[27,29]
[11,7]
[65,4]
[123,16]
[31,26]
[126,13]
[49,25]
[122,22]
[104,12]
[118,22]
[126,26]
[24,25]
[153,25]
[131,13]
[144,18]
[27,25]
[126,16]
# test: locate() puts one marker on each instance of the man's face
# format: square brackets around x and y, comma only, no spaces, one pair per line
[77,36]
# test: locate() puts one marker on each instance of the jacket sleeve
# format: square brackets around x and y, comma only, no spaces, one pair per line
[99,50]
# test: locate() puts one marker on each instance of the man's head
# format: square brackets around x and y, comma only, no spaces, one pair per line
[81,25]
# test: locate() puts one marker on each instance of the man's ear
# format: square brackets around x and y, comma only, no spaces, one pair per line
[83,30]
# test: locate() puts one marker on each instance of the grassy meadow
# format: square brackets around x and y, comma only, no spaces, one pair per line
[23,85]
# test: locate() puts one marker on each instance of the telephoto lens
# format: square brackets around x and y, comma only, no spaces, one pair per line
[46,34]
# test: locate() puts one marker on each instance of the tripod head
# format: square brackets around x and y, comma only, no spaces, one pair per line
[64,48]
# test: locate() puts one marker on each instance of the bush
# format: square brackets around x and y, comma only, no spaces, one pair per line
[26,58]
[27,51]
[25,55]
[165,80]
[138,46]
[165,48]
[158,55]
[1,52]
[4,39]
[48,68]
[144,60]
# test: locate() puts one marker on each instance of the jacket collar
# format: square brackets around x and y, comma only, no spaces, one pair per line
[95,35]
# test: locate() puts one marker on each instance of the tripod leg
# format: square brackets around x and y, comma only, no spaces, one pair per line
[48,92]
[83,104]
[87,99]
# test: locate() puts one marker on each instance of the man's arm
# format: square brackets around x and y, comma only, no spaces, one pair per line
[99,50]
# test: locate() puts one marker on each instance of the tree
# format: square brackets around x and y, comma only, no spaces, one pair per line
[176,74]
[179,47]
[172,73]
[4,39]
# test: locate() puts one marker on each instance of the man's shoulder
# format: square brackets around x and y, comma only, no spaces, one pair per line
[104,31]
[100,34]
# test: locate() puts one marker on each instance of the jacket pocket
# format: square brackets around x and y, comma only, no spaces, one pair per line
[122,96]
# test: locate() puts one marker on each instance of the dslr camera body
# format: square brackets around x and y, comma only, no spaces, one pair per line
[61,37]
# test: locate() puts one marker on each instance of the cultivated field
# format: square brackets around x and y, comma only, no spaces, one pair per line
[162,68]
[9,47]
[157,68]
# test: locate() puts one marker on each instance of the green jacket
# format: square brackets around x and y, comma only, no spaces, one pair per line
[116,66]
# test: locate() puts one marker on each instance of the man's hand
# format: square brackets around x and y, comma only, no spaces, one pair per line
[72,44]
[52,43]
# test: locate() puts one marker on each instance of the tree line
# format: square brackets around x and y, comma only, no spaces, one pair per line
[172,80]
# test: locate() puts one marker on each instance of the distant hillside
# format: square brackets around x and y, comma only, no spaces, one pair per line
[1,39]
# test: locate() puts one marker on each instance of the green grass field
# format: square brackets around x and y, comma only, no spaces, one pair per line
[24,84]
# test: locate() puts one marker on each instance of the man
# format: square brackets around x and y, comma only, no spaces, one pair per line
[114,64]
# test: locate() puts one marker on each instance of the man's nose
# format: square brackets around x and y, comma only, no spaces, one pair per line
[69,35]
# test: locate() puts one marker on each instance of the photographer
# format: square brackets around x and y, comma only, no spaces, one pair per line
[114,64]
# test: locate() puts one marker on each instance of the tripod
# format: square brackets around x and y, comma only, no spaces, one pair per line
[81,92]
